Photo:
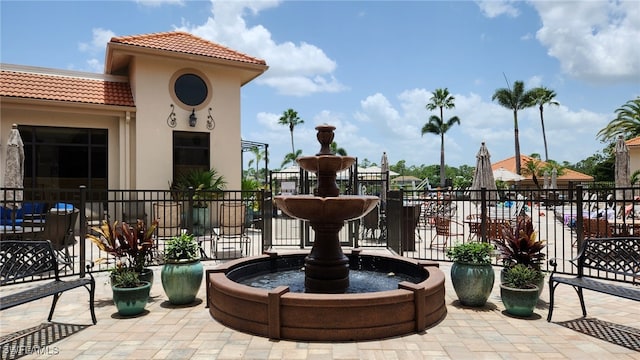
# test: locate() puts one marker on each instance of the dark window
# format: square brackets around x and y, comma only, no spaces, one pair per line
[190,152]
[64,158]
[191,89]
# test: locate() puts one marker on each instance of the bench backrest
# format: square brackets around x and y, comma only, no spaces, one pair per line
[21,259]
[618,255]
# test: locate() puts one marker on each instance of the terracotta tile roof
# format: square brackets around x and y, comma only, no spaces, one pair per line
[186,43]
[33,85]
[510,164]
[633,142]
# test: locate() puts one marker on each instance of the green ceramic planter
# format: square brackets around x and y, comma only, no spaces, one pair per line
[131,301]
[472,283]
[181,281]
[519,302]
[540,284]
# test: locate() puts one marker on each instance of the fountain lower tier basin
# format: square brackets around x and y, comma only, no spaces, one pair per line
[282,314]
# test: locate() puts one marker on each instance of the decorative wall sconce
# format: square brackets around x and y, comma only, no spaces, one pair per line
[192,118]
[210,123]
[171,119]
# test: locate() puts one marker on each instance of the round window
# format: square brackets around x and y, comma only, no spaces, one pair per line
[190,89]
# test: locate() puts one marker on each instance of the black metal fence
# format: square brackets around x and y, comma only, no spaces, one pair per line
[407,222]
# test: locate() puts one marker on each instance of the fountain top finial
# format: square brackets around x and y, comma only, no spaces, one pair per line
[325,137]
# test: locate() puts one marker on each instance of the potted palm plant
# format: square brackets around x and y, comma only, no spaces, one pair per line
[182,271]
[205,186]
[471,272]
[519,289]
[520,245]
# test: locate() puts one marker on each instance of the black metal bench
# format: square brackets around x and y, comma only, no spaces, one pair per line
[23,259]
[619,255]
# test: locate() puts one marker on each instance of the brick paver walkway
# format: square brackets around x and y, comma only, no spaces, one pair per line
[189,332]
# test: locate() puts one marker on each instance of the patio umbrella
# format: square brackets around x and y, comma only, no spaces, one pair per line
[623,170]
[546,179]
[483,176]
[384,166]
[554,178]
[505,175]
[14,170]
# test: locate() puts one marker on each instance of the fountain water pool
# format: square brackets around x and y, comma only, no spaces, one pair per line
[325,311]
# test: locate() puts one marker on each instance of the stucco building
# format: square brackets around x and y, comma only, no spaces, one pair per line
[167,102]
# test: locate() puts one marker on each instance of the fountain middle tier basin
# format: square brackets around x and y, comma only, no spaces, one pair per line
[326,209]
[279,313]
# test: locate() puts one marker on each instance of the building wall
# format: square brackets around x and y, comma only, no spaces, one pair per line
[151,154]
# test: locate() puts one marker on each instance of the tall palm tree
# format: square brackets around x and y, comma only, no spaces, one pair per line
[440,99]
[516,99]
[290,118]
[543,96]
[436,126]
[626,123]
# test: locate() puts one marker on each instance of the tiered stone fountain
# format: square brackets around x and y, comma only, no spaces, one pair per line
[324,311]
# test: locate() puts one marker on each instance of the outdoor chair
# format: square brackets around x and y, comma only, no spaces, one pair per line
[59,230]
[446,228]
[596,228]
[231,239]
[168,215]
[496,228]
[475,226]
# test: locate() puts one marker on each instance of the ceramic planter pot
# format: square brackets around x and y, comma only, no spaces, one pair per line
[181,280]
[540,283]
[131,301]
[519,302]
[201,220]
[472,283]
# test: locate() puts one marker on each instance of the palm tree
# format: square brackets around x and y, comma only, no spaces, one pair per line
[337,150]
[534,168]
[436,126]
[290,118]
[543,96]
[626,123]
[440,99]
[290,158]
[516,99]
[259,156]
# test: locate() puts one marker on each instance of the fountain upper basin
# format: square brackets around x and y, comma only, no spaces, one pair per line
[332,209]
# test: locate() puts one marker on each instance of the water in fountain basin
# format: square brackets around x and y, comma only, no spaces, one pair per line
[360,281]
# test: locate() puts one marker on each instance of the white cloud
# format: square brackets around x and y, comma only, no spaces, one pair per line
[100,38]
[294,69]
[495,8]
[596,41]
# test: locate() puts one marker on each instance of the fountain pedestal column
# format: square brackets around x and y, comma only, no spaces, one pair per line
[326,266]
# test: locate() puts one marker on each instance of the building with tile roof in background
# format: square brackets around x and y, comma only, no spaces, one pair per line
[167,102]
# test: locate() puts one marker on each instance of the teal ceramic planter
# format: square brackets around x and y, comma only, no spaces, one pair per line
[131,301]
[472,283]
[181,281]
[519,302]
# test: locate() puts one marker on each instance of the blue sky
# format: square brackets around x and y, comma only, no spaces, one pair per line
[369,67]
